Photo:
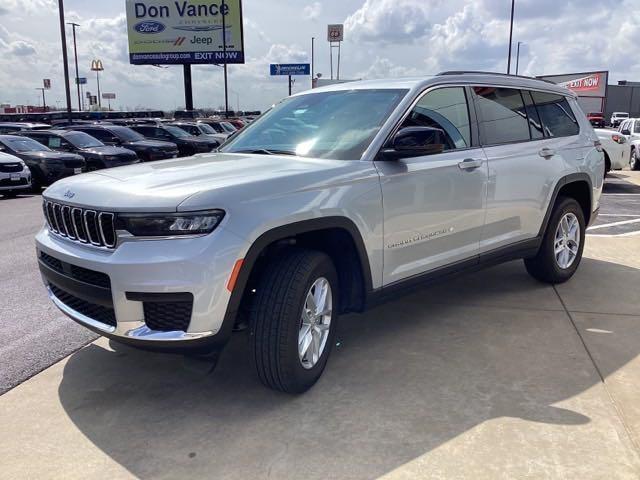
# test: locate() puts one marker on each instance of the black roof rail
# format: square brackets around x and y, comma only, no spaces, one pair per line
[472,72]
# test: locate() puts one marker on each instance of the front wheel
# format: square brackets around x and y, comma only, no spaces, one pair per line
[293,319]
[562,244]
[634,162]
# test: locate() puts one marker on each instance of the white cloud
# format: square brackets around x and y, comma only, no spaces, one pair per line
[312,12]
[391,21]
[21,49]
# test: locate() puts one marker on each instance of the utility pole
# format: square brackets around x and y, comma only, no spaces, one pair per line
[63,38]
[518,57]
[513,5]
[44,103]
[75,54]
[224,51]
[312,65]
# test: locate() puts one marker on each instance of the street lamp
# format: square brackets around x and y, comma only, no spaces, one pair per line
[513,5]
[518,56]
[75,54]
[96,66]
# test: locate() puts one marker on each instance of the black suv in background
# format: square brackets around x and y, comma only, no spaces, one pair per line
[97,154]
[116,135]
[46,165]
[187,144]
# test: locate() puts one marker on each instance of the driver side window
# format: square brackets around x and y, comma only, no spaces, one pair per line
[444,109]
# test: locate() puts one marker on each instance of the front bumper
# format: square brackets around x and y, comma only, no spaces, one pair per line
[198,266]
[15,181]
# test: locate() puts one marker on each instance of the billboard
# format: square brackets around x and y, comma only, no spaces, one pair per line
[186,31]
[290,69]
[335,32]
[47,83]
[588,84]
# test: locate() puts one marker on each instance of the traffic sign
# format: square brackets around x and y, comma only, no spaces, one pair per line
[335,32]
[290,69]
[109,96]
[47,83]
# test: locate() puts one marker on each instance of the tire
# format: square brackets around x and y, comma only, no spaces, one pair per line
[275,320]
[545,267]
[9,194]
[634,162]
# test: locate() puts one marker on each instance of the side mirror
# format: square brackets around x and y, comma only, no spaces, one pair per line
[416,142]
[625,132]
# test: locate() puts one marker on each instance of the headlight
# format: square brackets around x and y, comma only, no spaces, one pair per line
[162,225]
[619,138]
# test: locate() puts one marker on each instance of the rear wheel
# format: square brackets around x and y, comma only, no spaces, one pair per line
[562,244]
[293,318]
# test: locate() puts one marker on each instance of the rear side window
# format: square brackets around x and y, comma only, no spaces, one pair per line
[502,114]
[557,117]
[535,125]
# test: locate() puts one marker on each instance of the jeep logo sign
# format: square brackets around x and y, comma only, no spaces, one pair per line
[149,26]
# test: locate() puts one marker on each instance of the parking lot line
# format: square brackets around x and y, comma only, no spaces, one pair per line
[613,224]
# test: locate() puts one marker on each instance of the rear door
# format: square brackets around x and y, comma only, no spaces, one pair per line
[528,147]
[434,205]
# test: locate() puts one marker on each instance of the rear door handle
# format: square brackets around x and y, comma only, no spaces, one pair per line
[546,152]
[470,164]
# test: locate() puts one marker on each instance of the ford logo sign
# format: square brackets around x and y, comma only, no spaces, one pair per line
[149,26]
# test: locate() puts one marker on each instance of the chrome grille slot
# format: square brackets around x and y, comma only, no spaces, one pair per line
[57,216]
[90,217]
[66,221]
[80,225]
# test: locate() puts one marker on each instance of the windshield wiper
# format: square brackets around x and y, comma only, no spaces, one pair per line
[264,151]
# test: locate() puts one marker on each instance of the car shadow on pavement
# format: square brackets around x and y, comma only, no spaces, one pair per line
[403,379]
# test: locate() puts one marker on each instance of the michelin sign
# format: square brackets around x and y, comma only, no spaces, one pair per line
[185,31]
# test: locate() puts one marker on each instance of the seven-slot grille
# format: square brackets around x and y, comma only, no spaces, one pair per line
[81,224]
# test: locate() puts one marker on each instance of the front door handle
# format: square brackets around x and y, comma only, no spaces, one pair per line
[546,152]
[469,164]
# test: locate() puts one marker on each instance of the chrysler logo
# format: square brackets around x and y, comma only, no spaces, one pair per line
[69,194]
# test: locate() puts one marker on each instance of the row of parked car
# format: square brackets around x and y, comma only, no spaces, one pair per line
[34,155]
[622,145]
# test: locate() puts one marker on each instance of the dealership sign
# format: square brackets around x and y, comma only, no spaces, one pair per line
[185,31]
[290,69]
[588,84]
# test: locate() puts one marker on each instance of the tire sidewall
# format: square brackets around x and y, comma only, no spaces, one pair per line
[303,376]
[565,206]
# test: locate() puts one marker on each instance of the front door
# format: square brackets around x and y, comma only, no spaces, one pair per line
[434,205]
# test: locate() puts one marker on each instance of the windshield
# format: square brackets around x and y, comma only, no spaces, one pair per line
[82,140]
[24,145]
[126,134]
[621,115]
[228,127]
[206,128]
[336,125]
[176,131]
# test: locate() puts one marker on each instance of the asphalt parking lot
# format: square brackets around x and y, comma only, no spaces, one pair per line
[512,379]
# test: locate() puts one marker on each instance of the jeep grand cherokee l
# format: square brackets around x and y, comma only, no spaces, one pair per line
[46,166]
[96,154]
[119,136]
[330,202]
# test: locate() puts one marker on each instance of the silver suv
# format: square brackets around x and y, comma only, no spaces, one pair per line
[332,201]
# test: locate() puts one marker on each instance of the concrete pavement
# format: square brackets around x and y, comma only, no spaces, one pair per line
[486,376]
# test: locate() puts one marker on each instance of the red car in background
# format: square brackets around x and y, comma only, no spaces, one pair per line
[596,119]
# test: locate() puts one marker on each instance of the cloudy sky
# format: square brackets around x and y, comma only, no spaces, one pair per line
[383,38]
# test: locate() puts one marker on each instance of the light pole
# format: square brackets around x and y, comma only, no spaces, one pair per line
[518,56]
[312,65]
[513,5]
[96,66]
[75,54]
[65,64]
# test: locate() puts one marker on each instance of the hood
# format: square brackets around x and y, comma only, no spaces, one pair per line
[108,150]
[152,144]
[209,180]
[38,154]
[7,158]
